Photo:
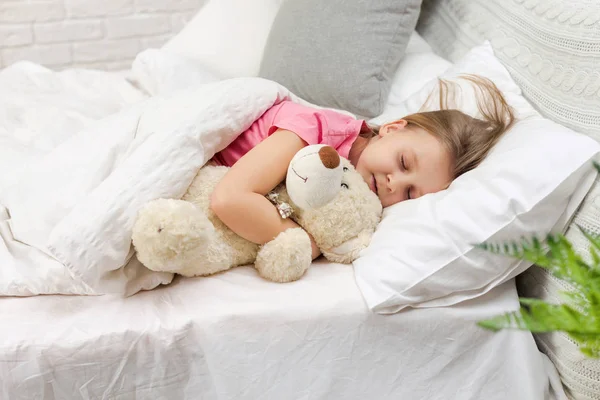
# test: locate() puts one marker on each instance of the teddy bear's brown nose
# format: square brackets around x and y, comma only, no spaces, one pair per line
[329,157]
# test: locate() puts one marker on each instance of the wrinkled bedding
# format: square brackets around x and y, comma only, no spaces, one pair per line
[235,336]
[74,203]
[39,110]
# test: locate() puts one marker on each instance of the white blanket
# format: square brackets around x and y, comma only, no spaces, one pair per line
[75,205]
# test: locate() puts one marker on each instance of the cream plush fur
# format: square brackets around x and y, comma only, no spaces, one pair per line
[185,237]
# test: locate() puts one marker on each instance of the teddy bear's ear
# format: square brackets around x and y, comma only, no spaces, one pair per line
[349,251]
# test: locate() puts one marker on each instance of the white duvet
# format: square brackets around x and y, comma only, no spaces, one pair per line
[70,210]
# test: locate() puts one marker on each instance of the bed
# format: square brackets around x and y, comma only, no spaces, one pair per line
[233,335]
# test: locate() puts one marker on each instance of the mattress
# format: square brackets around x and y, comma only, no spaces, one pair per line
[237,336]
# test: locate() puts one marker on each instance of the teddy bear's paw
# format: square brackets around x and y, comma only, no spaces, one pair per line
[170,234]
[348,251]
[285,258]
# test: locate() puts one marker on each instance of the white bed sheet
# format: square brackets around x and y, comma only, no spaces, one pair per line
[236,336]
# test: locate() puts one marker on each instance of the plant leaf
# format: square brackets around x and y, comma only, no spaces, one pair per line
[594,248]
[538,316]
[589,344]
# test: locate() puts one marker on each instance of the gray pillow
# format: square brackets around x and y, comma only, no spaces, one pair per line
[340,53]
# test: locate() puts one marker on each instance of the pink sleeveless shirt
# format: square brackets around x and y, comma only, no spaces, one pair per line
[314,126]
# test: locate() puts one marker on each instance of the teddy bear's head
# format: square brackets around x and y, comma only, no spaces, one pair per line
[343,226]
[314,176]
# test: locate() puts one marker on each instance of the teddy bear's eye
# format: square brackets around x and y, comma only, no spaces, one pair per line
[345,169]
[345,186]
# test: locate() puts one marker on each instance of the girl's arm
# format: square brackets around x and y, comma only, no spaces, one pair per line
[239,198]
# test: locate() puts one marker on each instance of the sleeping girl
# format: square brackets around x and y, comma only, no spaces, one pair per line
[400,160]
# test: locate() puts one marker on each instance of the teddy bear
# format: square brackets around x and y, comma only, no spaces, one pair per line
[322,193]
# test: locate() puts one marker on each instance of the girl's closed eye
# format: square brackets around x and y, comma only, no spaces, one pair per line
[403,163]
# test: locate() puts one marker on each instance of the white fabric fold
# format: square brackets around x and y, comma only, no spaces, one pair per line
[77,204]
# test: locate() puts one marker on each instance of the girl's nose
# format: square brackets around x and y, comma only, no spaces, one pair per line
[396,183]
[390,183]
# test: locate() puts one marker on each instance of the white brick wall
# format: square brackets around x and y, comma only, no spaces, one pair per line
[105,34]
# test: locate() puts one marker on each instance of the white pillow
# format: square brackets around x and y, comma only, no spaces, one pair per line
[416,44]
[423,254]
[415,70]
[227,36]
[158,72]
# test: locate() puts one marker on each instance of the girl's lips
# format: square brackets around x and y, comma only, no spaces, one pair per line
[373,184]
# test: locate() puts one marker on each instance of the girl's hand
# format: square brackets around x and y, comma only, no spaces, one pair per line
[239,199]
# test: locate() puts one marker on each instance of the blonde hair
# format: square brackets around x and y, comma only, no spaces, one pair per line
[468,139]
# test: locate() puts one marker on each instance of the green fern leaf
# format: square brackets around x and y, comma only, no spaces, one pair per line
[538,316]
[589,344]
[594,249]
[580,317]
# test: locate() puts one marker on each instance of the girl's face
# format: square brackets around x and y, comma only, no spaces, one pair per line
[404,163]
